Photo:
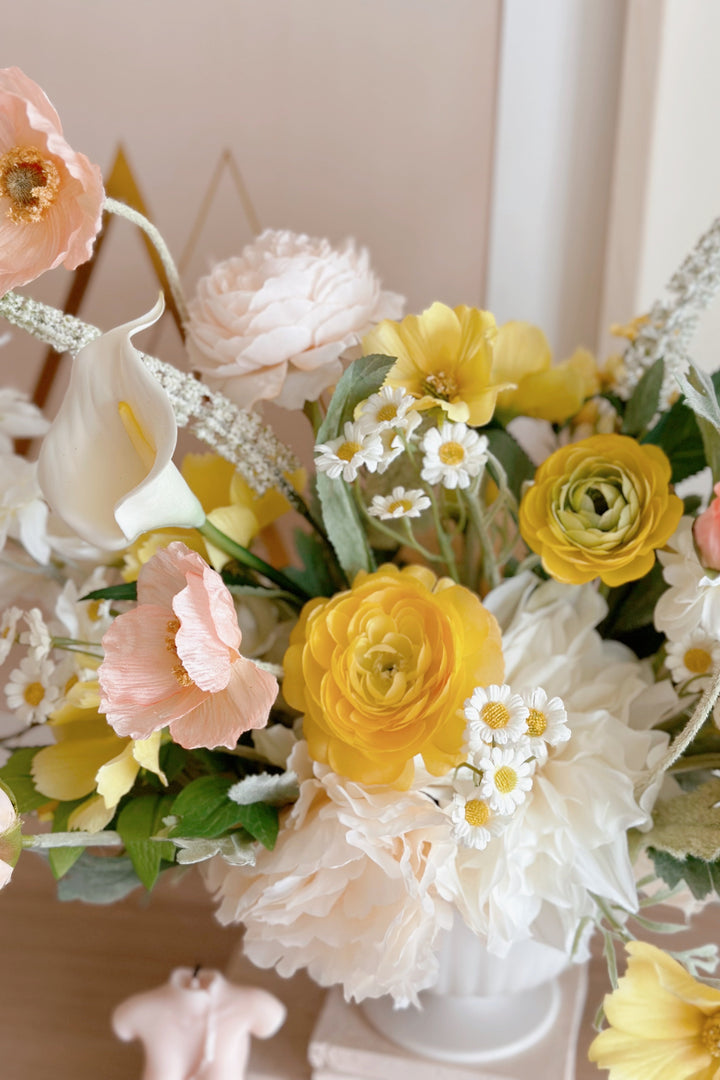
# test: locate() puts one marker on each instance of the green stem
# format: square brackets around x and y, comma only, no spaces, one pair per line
[445,546]
[314,414]
[695,761]
[477,519]
[253,562]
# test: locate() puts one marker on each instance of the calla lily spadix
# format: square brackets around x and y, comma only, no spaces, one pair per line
[106,463]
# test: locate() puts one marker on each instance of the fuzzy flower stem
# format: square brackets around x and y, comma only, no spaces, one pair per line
[38,841]
[685,737]
[445,547]
[121,210]
[253,562]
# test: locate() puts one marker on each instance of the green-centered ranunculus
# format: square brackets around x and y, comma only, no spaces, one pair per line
[600,508]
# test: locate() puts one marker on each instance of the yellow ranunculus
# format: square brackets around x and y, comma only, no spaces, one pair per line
[521,355]
[444,358]
[600,508]
[88,758]
[381,672]
[664,1025]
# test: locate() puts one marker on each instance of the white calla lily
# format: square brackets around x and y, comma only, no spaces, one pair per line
[106,463]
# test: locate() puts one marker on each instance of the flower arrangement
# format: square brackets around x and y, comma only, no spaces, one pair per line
[479,679]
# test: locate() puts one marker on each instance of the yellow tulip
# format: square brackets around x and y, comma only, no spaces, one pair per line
[521,355]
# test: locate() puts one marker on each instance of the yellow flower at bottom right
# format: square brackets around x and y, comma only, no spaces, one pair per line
[664,1024]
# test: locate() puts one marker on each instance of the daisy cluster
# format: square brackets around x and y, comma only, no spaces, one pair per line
[385,425]
[507,737]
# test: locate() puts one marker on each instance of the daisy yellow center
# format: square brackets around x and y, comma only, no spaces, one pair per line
[93,610]
[477,812]
[495,715]
[697,661]
[400,504]
[181,675]
[451,453]
[33,693]
[348,450]
[30,181]
[505,780]
[536,723]
[386,413]
[710,1035]
[441,385]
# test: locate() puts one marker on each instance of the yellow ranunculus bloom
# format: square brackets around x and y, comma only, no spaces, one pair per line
[88,758]
[444,358]
[600,508]
[382,670]
[521,355]
[664,1025]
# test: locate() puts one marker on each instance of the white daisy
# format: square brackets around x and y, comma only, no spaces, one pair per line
[390,407]
[8,622]
[345,455]
[474,822]
[494,715]
[507,776]
[693,656]
[37,637]
[400,504]
[546,723]
[392,445]
[31,692]
[19,418]
[454,454]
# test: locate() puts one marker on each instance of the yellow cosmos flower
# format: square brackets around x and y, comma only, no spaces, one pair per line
[664,1025]
[600,508]
[521,355]
[444,357]
[381,672]
[231,505]
[88,758]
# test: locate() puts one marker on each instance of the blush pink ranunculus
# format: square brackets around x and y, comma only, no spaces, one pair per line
[174,660]
[51,198]
[707,533]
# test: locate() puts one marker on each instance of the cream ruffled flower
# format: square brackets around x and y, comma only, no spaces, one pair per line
[563,842]
[273,323]
[348,891]
[693,598]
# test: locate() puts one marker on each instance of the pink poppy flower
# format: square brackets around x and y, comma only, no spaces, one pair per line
[51,198]
[707,533]
[174,660]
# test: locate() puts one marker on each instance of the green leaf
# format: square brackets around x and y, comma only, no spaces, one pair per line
[645,400]
[16,773]
[632,606]
[689,824]
[363,378]
[173,760]
[204,809]
[138,821]
[343,524]
[314,574]
[62,858]
[126,591]
[262,822]
[678,434]
[701,877]
[99,880]
[512,457]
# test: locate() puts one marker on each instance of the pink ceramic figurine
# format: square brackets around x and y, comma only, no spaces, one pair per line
[197,1026]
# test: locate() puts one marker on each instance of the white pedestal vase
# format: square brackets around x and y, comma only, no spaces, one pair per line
[483,1007]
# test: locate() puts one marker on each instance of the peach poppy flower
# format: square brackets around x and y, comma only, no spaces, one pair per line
[51,198]
[174,660]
